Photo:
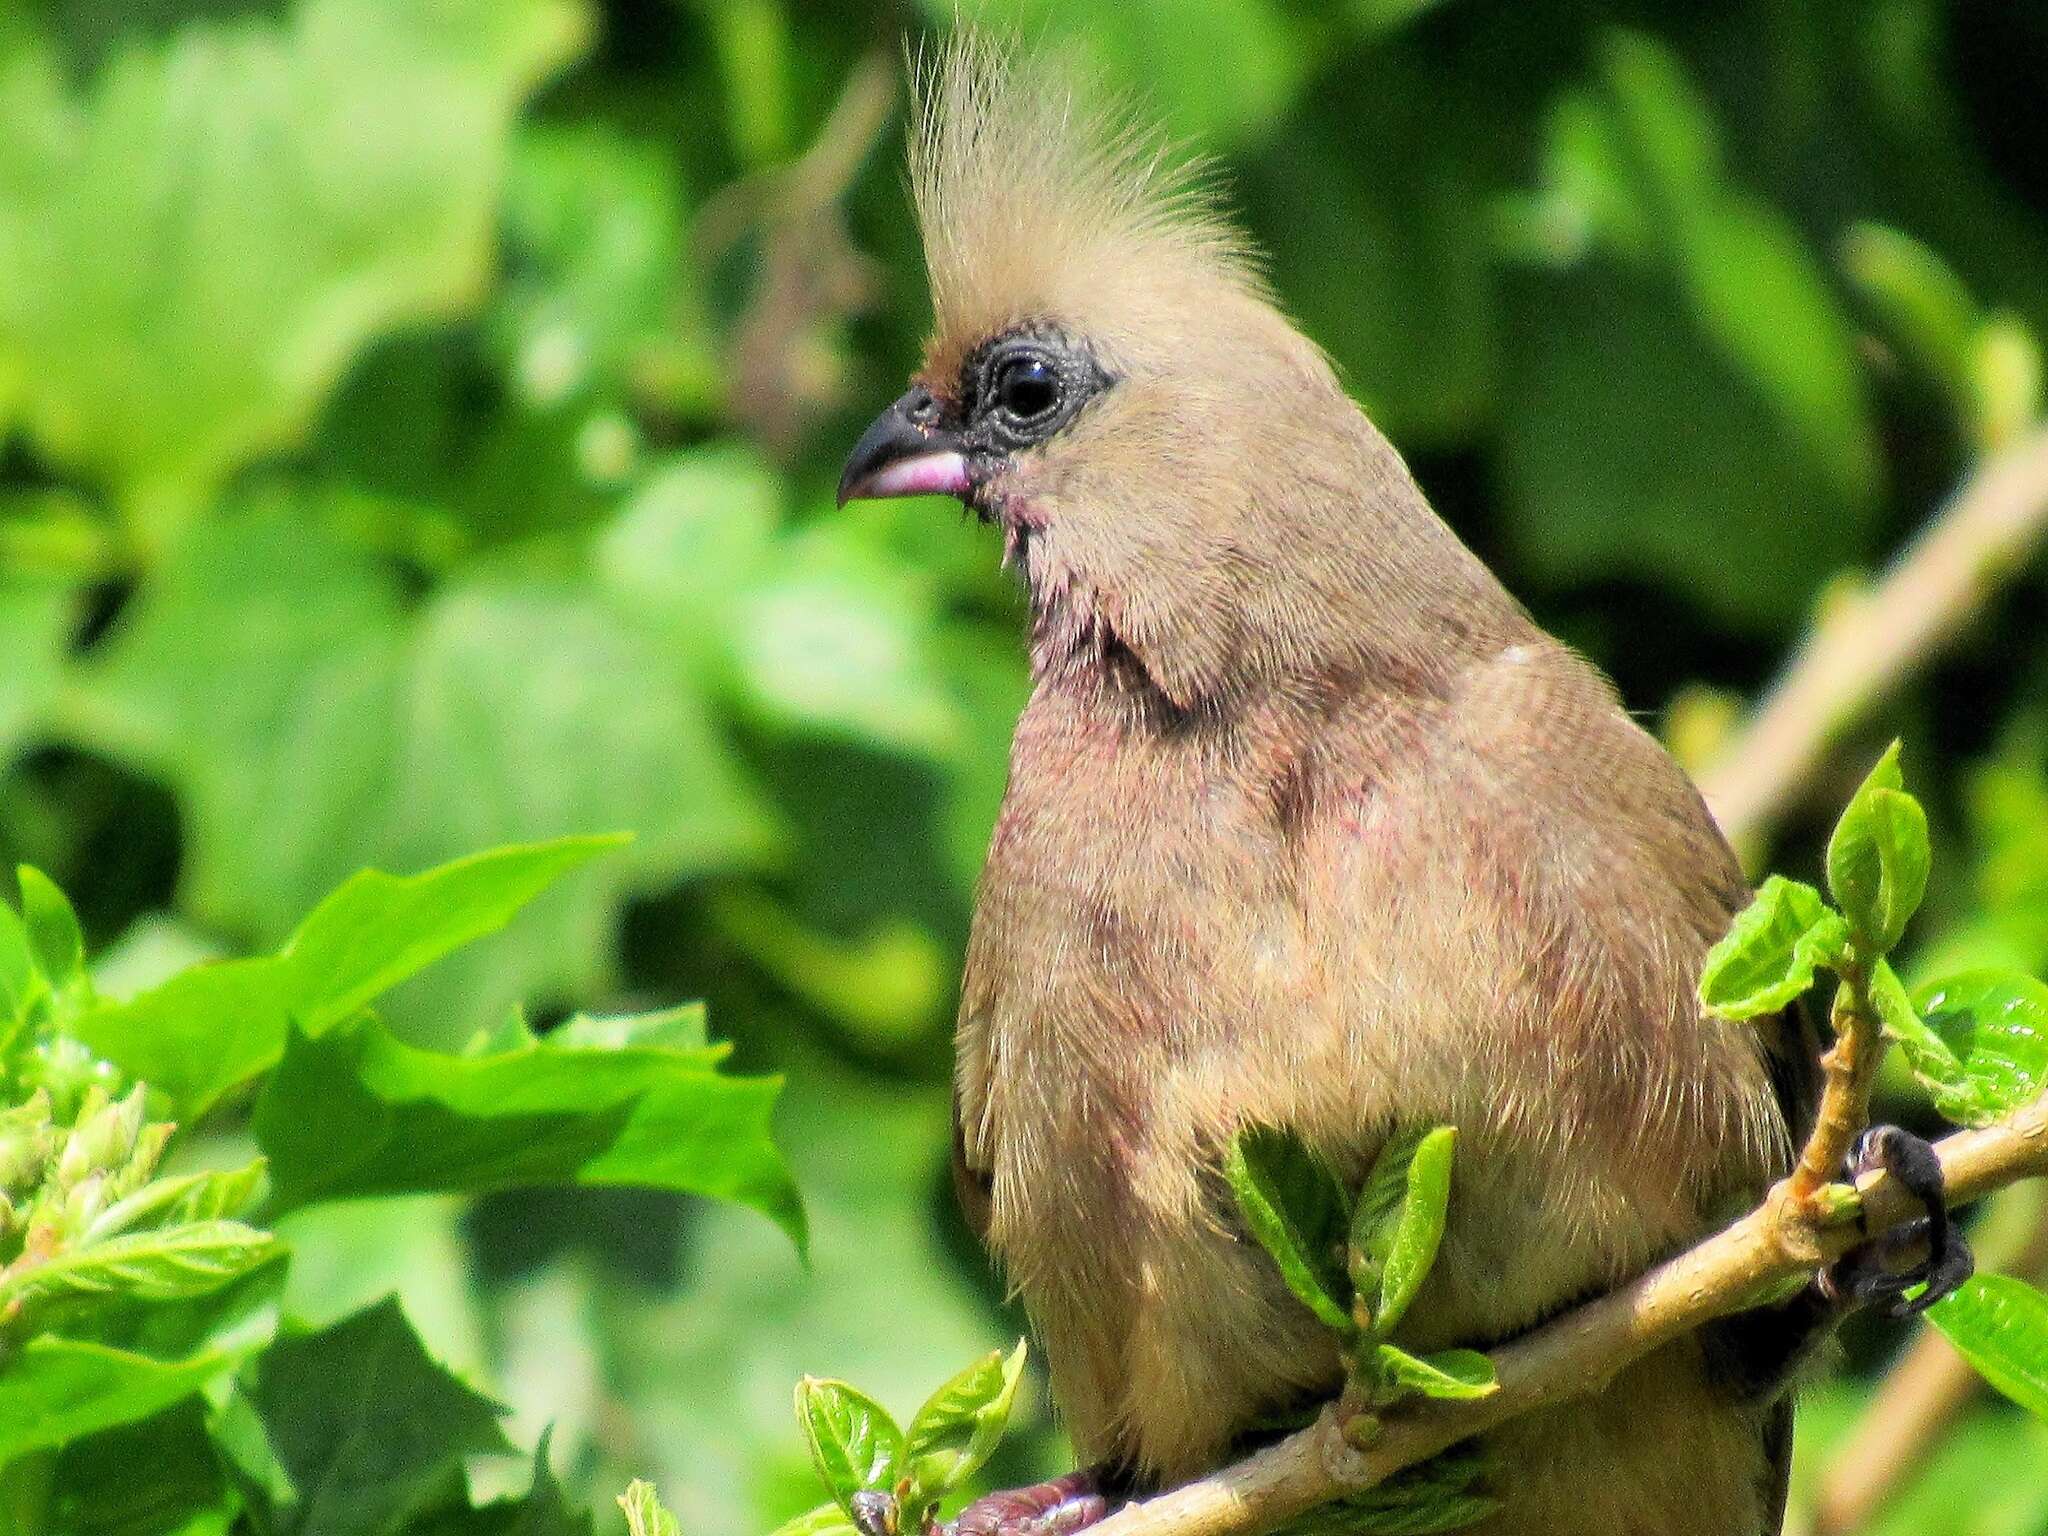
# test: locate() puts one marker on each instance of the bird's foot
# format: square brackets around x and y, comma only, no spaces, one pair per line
[1928,1251]
[1058,1508]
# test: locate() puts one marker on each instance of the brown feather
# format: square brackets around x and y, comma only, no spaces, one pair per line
[1307,824]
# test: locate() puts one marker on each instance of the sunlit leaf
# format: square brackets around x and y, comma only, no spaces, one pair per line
[1398,1241]
[1772,950]
[2000,1325]
[960,1425]
[240,154]
[645,1515]
[854,1443]
[1993,1027]
[357,1112]
[215,1026]
[1296,1209]
[1457,1375]
[1878,857]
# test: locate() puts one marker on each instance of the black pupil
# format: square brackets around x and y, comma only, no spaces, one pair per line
[1026,387]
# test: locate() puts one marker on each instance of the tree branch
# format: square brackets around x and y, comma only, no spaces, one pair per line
[1578,1353]
[1859,650]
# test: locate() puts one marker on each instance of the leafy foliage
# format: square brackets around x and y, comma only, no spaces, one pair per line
[128,1286]
[876,1472]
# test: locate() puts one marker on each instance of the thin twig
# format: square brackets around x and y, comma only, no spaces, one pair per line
[1580,1352]
[1864,646]
[1848,1073]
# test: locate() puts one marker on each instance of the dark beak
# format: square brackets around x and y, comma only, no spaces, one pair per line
[907,452]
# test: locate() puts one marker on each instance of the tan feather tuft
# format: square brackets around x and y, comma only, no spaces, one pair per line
[1036,207]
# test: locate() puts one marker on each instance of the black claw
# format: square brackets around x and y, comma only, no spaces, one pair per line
[1058,1508]
[1885,1269]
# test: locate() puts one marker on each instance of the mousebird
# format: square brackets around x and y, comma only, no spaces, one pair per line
[1308,826]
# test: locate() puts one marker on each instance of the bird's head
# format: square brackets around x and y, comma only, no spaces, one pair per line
[1196,506]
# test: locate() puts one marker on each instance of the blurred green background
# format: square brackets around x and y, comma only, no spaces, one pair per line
[418,420]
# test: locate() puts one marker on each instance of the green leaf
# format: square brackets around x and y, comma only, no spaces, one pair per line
[825,1520]
[2000,1325]
[213,1027]
[1878,857]
[53,933]
[20,983]
[1400,1245]
[169,1264]
[365,1427]
[595,309]
[1991,1030]
[960,1425]
[239,151]
[1295,1208]
[56,1390]
[1770,953]
[645,1515]
[310,723]
[1927,1053]
[357,1112]
[836,639]
[543,1510]
[854,1443]
[1926,310]
[1391,272]
[1758,293]
[1698,368]
[156,1477]
[1457,1375]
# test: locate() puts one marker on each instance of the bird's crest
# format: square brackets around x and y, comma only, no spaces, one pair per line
[1034,206]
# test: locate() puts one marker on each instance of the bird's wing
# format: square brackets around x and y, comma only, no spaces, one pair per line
[970,1184]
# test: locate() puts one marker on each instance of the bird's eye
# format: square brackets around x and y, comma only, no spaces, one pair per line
[1026,388]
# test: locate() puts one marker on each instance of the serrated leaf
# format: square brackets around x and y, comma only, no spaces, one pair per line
[2000,1325]
[854,1443]
[365,1427]
[1295,1208]
[960,1425]
[358,1112]
[54,937]
[164,1265]
[683,1028]
[646,1516]
[215,1026]
[1878,857]
[1771,951]
[1399,1243]
[1457,1375]
[543,1510]
[56,1390]
[1989,1044]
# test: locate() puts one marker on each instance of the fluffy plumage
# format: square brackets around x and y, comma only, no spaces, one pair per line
[1308,824]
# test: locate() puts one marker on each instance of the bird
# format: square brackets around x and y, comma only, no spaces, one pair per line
[1309,826]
